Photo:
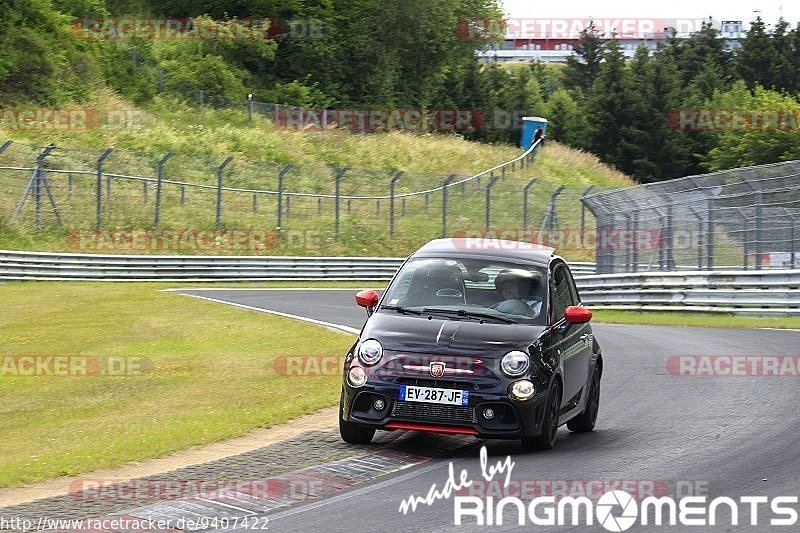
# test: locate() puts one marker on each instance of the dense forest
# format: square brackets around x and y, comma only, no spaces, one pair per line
[645,116]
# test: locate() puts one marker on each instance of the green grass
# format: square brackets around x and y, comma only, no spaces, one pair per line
[704,320]
[201,139]
[212,376]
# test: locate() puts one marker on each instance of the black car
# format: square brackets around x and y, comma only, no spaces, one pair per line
[484,340]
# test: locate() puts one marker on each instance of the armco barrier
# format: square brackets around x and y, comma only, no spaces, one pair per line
[764,292]
[95,267]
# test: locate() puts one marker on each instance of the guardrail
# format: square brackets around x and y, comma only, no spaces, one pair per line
[764,292]
[174,268]
[96,267]
[775,292]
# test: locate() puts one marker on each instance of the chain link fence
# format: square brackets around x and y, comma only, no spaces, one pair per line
[52,189]
[740,218]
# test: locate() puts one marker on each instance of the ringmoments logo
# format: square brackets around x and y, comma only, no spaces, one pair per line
[615,510]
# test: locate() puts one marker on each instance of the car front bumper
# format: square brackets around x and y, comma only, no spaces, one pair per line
[512,418]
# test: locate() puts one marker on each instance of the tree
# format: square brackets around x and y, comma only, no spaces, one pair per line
[755,140]
[783,74]
[701,49]
[608,107]
[566,122]
[580,72]
[756,57]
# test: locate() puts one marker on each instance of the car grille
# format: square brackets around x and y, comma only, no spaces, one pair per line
[434,412]
[461,385]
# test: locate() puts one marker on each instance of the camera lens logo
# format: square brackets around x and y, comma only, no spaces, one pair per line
[621,521]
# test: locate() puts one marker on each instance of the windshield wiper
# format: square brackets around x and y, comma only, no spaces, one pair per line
[468,314]
[401,309]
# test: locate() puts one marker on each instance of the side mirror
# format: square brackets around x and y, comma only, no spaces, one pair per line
[575,314]
[367,299]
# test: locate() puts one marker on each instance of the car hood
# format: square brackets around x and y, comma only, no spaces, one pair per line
[418,334]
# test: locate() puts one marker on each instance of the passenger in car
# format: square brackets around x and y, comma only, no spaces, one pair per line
[519,293]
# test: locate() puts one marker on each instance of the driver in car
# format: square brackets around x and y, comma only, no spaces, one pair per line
[517,291]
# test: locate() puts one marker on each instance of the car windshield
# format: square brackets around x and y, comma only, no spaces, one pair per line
[464,289]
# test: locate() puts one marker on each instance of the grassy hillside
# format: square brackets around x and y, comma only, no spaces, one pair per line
[202,138]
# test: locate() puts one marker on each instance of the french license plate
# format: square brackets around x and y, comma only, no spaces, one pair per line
[432,395]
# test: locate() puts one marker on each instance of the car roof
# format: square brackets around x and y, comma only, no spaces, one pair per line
[486,247]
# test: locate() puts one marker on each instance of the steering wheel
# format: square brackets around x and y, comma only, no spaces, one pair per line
[513,307]
[453,293]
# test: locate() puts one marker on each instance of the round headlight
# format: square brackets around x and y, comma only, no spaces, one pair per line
[515,363]
[522,389]
[357,376]
[370,352]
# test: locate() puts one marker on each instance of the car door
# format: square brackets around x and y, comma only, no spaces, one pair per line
[570,340]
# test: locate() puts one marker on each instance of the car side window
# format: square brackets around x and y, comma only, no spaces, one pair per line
[573,289]
[564,293]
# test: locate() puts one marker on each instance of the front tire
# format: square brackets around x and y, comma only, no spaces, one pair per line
[584,422]
[354,433]
[547,439]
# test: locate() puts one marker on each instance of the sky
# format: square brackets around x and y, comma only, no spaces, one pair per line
[671,9]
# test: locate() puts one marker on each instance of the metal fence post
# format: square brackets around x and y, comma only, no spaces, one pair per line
[745,241]
[699,218]
[583,208]
[100,186]
[759,221]
[158,185]
[338,180]
[220,172]
[392,183]
[629,253]
[183,194]
[489,200]
[525,203]
[710,236]
[670,224]
[35,186]
[250,106]
[792,245]
[445,183]
[281,173]
[635,241]
[552,214]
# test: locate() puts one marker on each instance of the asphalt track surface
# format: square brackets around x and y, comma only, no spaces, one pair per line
[725,436]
